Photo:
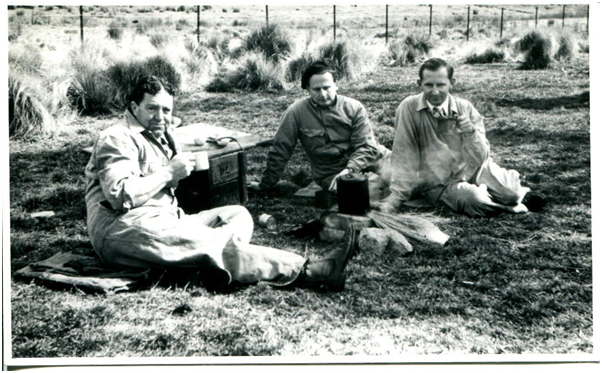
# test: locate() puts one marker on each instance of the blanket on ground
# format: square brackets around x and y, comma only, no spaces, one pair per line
[85,272]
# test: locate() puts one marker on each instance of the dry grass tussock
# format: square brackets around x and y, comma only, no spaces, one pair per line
[253,72]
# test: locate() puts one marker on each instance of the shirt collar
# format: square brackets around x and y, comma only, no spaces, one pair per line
[449,102]
[316,106]
[135,125]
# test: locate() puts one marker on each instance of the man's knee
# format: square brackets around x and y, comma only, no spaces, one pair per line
[472,200]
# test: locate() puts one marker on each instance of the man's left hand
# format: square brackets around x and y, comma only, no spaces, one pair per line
[464,124]
[333,183]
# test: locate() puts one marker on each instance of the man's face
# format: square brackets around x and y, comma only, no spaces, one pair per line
[322,89]
[435,85]
[154,111]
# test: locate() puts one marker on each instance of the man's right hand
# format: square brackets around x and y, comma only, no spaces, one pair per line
[181,166]
[254,186]
[384,206]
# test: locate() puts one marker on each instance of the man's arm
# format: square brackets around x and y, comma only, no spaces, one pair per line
[362,142]
[405,159]
[475,147]
[120,176]
[281,150]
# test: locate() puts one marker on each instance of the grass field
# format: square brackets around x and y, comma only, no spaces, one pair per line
[510,285]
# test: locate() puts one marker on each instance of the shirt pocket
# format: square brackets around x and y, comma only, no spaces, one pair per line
[317,143]
[312,132]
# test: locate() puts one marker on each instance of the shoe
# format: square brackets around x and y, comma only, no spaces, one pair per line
[328,273]
[534,201]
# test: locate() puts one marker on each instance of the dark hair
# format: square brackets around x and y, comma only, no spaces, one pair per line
[435,64]
[317,68]
[152,85]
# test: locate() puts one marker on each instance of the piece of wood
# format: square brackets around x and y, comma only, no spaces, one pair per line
[411,226]
[337,220]
[42,214]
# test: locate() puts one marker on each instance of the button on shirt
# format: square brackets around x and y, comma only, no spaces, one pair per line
[333,138]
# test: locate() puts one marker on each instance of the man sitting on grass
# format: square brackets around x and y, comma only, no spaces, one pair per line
[440,153]
[334,131]
[134,220]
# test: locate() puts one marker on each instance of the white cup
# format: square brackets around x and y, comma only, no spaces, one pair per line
[201,160]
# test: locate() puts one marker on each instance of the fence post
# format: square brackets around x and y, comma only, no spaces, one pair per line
[430,19]
[267,16]
[587,24]
[502,24]
[81,23]
[334,21]
[536,10]
[33,8]
[198,24]
[563,9]
[468,25]
[386,24]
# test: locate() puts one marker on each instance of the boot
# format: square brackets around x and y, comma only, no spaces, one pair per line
[328,273]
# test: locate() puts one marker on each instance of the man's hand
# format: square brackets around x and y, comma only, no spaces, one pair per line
[254,186]
[333,183]
[464,124]
[384,206]
[181,166]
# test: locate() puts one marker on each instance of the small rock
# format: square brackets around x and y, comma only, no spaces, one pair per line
[373,241]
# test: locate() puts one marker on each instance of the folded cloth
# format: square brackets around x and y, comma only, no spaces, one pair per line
[85,272]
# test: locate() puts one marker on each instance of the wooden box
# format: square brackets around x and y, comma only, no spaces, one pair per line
[223,184]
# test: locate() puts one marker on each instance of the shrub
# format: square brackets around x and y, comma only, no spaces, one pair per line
[158,40]
[27,115]
[503,42]
[20,12]
[566,48]
[420,44]
[150,23]
[491,55]
[15,32]
[200,62]
[584,47]
[255,73]
[236,10]
[219,46]
[26,59]
[338,55]
[410,50]
[182,8]
[115,30]
[90,92]
[536,47]
[297,66]
[269,40]
[207,7]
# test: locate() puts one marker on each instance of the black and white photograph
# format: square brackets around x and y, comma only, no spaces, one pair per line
[300,186]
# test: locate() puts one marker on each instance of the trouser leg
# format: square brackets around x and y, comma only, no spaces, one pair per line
[217,238]
[491,191]
[503,185]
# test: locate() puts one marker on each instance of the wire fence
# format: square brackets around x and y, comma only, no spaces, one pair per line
[380,21]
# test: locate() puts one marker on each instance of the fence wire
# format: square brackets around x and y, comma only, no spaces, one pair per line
[365,21]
